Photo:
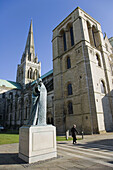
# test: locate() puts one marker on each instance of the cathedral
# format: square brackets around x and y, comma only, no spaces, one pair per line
[80,86]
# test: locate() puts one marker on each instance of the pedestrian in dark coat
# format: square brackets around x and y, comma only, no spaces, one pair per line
[74,132]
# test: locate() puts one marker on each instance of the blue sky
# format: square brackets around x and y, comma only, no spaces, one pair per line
[15,17]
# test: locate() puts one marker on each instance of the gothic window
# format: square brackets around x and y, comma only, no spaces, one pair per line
[69,89]
[70,108]
[29,57]
[71,35]
[68,63]
[102,85]
[35,74]
[89,31]
[93,33]
[26,112]
[31,73]
[28,74]
[11,95]
[64,41]
[98,60]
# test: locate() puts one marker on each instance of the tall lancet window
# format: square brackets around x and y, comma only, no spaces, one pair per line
[29,57]
[68,63]
[70,89]
[71,35]
[31,73]
[93,33]
[102,85]
[64,40]
[28,74]
[35,74]
[70,108]
[98,60]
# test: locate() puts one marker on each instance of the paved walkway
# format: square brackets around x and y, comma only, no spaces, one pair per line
[93,152]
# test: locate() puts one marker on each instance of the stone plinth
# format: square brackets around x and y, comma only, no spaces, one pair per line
[37,143]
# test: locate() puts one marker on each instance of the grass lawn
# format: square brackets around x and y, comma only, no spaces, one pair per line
[9,138]
[63,138]
[6,138]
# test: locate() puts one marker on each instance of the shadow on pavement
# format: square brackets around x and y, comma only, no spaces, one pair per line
[104,144]
[10,158]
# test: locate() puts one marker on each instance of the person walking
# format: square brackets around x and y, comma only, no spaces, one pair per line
[74,132]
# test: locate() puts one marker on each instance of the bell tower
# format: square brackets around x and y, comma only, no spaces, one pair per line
[29,69]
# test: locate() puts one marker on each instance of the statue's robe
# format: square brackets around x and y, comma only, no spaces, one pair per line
[42,105]
[39,105]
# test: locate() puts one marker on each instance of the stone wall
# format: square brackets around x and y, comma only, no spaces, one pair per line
[89,66]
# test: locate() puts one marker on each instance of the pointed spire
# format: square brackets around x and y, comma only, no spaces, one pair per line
[29,48]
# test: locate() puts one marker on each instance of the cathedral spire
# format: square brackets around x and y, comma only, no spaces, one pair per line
[29,69]
[29,48]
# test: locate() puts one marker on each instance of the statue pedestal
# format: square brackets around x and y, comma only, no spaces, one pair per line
[37,143]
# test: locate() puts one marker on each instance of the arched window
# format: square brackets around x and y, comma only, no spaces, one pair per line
[29,57]
[64,41]
[98,60]
[70,89]
[71,35]
[31,73]
[93,33]
[28,74]
[70,108]
[11,95]
[26,112]
[89,32]
[68,63]
[35,74]
[102,85]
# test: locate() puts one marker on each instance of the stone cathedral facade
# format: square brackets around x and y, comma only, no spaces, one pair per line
[80,86]
[16,97]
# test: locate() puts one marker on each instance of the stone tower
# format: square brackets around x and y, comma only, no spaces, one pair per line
[29,69]
[82,75]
